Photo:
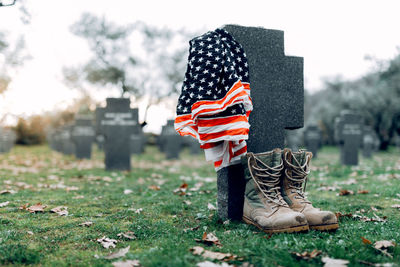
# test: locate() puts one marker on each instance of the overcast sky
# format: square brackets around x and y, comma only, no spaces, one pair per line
[332,36]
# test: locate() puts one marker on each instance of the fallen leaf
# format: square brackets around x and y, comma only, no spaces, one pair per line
[396,206]
[196,187]
[128,263]
[345,192]
[127,191]
[127,235]
[138,211]
[29,232]
[36,208]
[362,192]
[87,224]
[181,190]
[384,244]
[350,181]
[120,253]
[78,197]
[329,262]
[209,239]
[366,241]
[211,206]
[339,215]
[187,202]
[60,210]
[107,242]
[3,192]
[307,255]
[197,250]
[191,229]
[3,204]
[218,255]
[154,187]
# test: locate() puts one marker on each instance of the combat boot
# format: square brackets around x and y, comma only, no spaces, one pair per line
[293,185]
[264,206]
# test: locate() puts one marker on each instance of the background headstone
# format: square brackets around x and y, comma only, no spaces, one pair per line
[170,141]
[292,140]
[277,92]
[7,140]
[138,140]
[368,142]
[83,135]
[313,139]
[349,134]
[117,123]
[193,145]
[67,146]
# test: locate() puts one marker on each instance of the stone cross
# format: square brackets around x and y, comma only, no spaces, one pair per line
[349,135]
[117,123]
[170,141]
[83,135]
[313,139]
[277,92]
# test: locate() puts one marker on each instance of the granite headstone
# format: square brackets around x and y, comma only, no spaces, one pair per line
[313,139]
[170,141]
[277,92]
[349,134]
[117,123]
[83,135]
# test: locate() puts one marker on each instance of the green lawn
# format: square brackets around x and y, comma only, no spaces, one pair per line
[166,224]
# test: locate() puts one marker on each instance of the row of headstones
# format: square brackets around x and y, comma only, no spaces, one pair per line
[367,139]
[7,140]
[116,131]
[351,134]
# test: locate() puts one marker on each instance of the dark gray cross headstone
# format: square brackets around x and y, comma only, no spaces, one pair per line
[171,141]
[313,139]
[349,134]
[83,135]
[368,142]
[117,125]
[277,92]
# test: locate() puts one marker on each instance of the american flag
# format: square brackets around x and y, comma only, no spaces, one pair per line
[215,104]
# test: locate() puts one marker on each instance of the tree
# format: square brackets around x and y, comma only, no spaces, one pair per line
[153,71]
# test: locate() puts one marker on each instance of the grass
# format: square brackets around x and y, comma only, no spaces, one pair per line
[162,220]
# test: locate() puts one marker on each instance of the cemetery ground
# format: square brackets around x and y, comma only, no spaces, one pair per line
[161,212]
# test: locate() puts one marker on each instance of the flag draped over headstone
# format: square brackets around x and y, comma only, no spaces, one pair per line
[215,103]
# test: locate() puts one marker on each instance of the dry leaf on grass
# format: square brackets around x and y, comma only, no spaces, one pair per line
[87,224]
[307,255]
[138,211]
[209,239]
[329,262]
[3,204]
[154,187]
[396,206]
[187,202]
[3,192]
[350,181]
[384,244]
[128,263]
[212,255]
[366,241]
[128,235]
[60,210]
[191,229]
[127,191]
[196,187]
[339,215]
[181,190]
[34,208]
[211,206]
[107,242]
[345,192]
[362,192]
[120,253]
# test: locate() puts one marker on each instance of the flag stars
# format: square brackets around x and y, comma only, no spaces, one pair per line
[215,66]
[201,43]
[209,92]
[199,96]
[216,49]
[201,88]
[237,49]
[233,111]
[185,110]
[208,62]
[205,71]
[200,51]
[211,84]
[213,75]
[200,59]
[202,80]
[217,58]
[209,46]
[209,54]
[239,59]
[191,95]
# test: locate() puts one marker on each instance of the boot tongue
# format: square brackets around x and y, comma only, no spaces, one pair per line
[272,159]
[300,157]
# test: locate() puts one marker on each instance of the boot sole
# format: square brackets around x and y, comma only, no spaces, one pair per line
[325,227]
[298,228]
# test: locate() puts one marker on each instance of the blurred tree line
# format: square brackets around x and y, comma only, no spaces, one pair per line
[376,96]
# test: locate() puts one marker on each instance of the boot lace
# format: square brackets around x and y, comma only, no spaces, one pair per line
[267,180]
[298,176]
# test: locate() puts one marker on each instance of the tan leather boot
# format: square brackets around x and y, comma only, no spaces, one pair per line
[293,180]
[264,206]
